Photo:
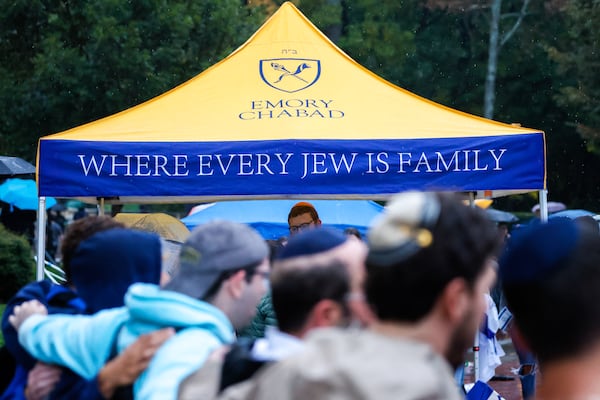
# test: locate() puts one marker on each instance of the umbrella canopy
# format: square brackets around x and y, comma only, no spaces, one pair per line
[269,217]
[571,214]
[553,206]
[11,166]
[481,203]
[23,194]
[500,216]
[165,225]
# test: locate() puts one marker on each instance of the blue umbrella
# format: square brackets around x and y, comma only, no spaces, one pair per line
[269,217]
[500,216]
[23,194]
[571,214]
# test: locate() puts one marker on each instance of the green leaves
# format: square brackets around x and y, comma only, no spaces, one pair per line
[17,263]
[577,56]
[67,63]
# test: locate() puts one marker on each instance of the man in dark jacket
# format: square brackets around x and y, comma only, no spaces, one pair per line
[100,262]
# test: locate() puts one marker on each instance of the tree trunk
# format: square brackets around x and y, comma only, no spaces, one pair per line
[334,32]
[490,79]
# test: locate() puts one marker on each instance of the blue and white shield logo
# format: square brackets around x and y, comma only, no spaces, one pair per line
[290,74]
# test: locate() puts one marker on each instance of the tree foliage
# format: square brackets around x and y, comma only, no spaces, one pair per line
[69,62]
[381,34]
[448,64]
[16,261]
[578,57]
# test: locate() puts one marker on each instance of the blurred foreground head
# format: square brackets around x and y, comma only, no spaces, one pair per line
[104,265]
[80,230]
[430,262]
[550,275]
[420,243]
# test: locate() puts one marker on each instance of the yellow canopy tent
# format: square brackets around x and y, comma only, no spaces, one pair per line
[288,114]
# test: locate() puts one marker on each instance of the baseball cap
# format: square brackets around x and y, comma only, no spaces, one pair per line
[213,248]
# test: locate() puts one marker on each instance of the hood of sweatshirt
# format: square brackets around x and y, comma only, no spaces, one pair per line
[107,263]
[152,308]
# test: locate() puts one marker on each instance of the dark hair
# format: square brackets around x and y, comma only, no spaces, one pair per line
[352,231]
[463,239]
[303,208]
[296,290]
[558,312]
[274,246]
[589,222]
[223,276]
[80,230]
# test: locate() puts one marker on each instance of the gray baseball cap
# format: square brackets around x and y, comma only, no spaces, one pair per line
[211,249]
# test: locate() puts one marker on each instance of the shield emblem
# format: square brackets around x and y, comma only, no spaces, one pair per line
[290,74]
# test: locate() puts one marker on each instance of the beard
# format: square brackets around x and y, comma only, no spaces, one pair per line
[462,338]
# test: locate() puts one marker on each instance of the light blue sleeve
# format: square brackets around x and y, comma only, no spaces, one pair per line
[80,342]
[176,359]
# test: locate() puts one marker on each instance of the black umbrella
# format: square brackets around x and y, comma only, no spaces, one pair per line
[11,166]
[500,216]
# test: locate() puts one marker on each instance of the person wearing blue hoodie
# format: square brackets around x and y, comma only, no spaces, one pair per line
[222,274]
[100,263]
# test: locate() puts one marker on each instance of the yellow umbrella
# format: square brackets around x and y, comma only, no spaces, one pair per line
[165,225]
[481,203]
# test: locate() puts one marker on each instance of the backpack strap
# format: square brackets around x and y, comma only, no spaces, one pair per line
[239,364]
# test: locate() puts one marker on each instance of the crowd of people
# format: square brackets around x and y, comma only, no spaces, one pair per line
[323,314]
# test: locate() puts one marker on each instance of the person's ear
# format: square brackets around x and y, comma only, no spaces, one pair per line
[327,313]
[318,222]
[360,312]
[236,283]
[455,299]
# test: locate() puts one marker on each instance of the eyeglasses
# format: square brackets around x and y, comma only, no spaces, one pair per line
[264,274]
[265,277]
[298,228]
[250,272]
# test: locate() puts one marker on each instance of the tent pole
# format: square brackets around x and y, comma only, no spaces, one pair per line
[41,238]
[476,341]
[101,206]
[471,199]
[543,195]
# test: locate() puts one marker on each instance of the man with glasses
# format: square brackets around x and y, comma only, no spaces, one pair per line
[303,215]
[219,280]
